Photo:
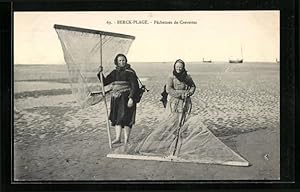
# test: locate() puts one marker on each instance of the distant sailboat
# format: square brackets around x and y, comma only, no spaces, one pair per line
[206,61]
[237,60]
[277,60]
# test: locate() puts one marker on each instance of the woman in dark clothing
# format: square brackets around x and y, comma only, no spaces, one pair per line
[124,88]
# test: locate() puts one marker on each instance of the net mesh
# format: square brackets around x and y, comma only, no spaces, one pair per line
[83,52]
[190,141]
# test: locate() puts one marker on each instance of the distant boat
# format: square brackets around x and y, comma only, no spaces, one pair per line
[206,61]
[277,60]
[237,60]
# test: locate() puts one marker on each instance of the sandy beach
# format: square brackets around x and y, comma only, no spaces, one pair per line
[56,140]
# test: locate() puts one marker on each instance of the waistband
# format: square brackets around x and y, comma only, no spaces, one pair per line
[120,83]
[120,86]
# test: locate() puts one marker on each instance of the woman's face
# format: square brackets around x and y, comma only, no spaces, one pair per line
[178,67]
[121,61]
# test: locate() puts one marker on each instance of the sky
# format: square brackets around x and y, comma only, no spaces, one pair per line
[213,35]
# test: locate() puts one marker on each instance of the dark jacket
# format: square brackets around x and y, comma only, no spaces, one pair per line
[123,74]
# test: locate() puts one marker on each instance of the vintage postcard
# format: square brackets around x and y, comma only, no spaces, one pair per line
[146,96]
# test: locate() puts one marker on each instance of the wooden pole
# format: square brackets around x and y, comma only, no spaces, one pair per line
[242,162]
[92,31]
[181,121]
[103,93]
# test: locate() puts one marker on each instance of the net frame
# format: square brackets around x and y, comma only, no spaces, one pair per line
[86,30]
[102,41]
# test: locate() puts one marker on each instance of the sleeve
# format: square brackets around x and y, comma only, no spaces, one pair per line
[170,89]
[192,85]
[107,80]
[133,84]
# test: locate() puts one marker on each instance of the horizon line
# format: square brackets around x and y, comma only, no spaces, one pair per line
[200,62]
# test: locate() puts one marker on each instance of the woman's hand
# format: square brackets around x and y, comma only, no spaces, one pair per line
[190,93]
[184,95]
[130,103]
[100,69]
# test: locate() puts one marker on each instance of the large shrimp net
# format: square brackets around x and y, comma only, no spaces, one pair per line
[180,137]
[84,51]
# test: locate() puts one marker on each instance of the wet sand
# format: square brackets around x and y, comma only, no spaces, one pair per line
[54,139]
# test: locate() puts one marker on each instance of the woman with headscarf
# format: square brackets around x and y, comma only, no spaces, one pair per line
[165,137]
[180,86]
[124,89]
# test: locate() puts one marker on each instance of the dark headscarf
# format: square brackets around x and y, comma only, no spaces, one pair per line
[127,66]
[183,74]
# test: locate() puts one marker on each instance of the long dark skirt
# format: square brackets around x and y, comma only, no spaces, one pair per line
[120,114]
